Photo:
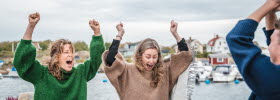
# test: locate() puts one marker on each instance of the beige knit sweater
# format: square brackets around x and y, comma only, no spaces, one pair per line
[131,84]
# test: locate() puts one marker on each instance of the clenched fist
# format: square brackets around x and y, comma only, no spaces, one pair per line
[173,27]
[95,26]
[34,18]
[120,29]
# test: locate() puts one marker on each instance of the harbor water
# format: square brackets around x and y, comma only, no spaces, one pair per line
[100,89]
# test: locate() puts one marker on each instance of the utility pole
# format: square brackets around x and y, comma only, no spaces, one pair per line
[12,46]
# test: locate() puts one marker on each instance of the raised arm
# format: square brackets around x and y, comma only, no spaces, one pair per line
[179,62]
[91,66]
[270,20]
[182,45]
[113,50]
[173,30]
[33,20]
[254,67]
[240,38]
[266,8]
[114,63]
[25,61]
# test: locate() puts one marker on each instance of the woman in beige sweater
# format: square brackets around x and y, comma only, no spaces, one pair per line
[149,77]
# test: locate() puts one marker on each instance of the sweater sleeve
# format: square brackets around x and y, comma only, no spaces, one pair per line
[240,42]
[91,66]
[268,33]
[115,72]
[177,64]
[28,68]
[182,45]
[256,69]
[113,50]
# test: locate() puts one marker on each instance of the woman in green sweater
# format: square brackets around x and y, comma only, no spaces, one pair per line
[59,80]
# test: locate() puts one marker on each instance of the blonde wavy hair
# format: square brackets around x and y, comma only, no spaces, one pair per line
[56,48]
[158,68]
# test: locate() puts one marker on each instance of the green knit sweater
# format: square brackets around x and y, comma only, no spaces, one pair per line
[73,85]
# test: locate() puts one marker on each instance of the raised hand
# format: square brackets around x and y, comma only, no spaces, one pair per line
[121,31]
[95,26]
[34,18]
[173,27]
[173,30]
[265,9]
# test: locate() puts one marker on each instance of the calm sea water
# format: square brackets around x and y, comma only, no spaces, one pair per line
[99,90]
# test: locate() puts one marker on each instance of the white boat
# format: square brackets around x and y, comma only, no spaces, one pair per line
[203,72]
[224,73]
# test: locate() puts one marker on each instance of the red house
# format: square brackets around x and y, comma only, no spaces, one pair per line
[220,58]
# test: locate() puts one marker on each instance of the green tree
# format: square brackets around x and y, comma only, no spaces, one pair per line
[45,44]
[202,55]
[107,45]
[5,54]
[6,46]
[80,46]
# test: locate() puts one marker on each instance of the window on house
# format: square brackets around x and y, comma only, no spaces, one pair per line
[220,60]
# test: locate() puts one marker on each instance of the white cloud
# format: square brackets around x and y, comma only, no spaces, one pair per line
[200,19]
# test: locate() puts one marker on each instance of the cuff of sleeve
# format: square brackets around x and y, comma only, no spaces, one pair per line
[268,33]
[22,41]
[182,45]
[97,37]
[115,44]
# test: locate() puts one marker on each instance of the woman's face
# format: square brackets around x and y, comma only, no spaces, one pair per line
[149,59]
[66,59]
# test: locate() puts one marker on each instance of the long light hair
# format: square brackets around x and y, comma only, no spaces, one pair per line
[158,68]
[55,50]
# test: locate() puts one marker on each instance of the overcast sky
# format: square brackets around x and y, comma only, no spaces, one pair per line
[200,19]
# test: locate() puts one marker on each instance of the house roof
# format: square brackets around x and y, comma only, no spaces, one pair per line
[189,41]
[218,55]
[195,41]
[212,41]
